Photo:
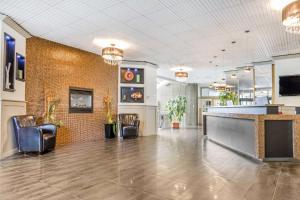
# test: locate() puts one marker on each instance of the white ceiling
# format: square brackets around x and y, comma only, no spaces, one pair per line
[166,32]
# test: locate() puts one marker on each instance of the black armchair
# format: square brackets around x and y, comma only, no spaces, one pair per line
[33,138]
[129,125]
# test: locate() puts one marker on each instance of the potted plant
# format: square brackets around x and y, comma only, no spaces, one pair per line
[50,116]
[176,108]
[111,126]
[226,96]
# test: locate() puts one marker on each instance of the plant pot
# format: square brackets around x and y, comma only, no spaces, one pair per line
[110,131]
[175,125]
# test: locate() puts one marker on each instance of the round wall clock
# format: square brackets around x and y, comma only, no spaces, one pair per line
[128,75]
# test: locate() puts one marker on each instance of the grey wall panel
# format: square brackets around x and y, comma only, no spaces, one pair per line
[238,134]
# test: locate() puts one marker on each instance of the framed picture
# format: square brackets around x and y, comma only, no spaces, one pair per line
[132,75]
[80,100]
[9,63]
[132,94]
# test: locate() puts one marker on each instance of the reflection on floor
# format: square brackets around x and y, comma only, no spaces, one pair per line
[174,165]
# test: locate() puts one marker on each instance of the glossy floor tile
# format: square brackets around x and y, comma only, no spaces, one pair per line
[176,164]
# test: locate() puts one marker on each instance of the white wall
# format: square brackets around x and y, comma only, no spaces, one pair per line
[12,103]
[146,110]
[283,67]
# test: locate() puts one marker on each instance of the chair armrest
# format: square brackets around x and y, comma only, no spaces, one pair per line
[31,137]
[48,128]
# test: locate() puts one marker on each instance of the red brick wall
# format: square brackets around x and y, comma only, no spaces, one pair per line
[51,68]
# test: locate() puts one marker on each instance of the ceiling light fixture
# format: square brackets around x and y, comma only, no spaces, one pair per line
[279,4]
[233,76]
[112,55]
[181,76]
[291,17]
[249,58]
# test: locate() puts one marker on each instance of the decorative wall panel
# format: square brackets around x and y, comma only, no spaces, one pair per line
[51,68]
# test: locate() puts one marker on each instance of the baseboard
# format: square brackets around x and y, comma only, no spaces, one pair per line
[8,153]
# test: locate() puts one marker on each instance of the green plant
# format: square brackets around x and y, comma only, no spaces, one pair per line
[176,108]
[228,96]
[49,116]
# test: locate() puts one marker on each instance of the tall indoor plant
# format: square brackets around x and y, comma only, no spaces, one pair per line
[176,108]
[110,126]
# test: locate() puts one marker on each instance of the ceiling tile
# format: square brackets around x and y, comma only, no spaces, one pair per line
[121,12]
[168,32]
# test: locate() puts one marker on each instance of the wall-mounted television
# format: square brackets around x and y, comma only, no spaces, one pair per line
[289,85]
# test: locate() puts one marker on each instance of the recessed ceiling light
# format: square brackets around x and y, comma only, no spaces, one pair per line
[217,65]
[233,42]
[181,68]
[108,42]
[215,56]
[210,62]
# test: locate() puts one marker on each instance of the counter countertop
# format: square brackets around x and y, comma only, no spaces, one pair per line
[250,106]
[254,116]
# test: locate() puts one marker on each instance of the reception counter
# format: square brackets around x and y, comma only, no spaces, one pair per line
[260,135]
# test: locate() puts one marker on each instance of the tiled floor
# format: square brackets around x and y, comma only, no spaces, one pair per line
[175,165]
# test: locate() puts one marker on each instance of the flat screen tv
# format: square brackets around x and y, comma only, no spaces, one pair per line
[289,85]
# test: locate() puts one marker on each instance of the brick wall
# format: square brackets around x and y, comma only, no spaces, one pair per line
[51,68]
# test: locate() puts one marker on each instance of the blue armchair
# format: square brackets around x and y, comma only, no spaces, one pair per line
[33,138]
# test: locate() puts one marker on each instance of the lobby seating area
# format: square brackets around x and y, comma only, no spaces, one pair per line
[150,100]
